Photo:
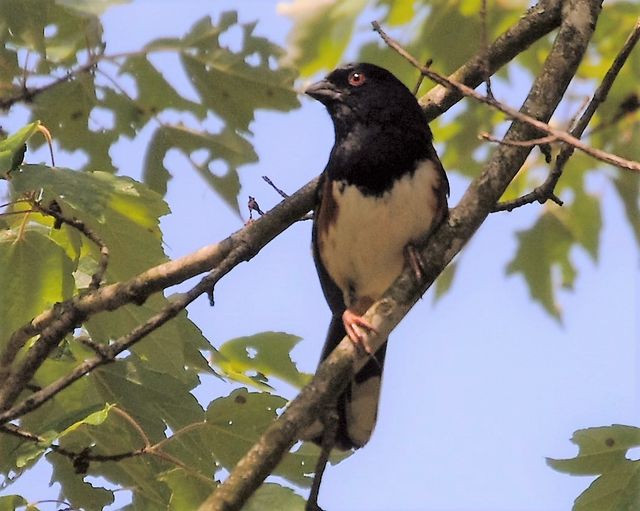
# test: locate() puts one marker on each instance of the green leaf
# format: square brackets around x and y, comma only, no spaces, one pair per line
[29,452]
[187,491]
[237,421]
[68,31]
[545,246]
[267,353]
[8,71]
[274,496]
[78,492]
[73,129]
[35,263]
[321,32]
[585,221]
[154,398]
[25,21]
[174,348]
[154,93]
[399,13]
[226,82]
[154,404]
[122,211]
[91,6]
[11,502]
[444,281]
[12,148]
[227,148]
[94,419]
[602,451]
[628,188]
[125,214]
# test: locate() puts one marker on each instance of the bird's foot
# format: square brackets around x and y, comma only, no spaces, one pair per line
[415,262]
[357,329]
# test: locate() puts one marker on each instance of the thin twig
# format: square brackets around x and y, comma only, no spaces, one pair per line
[421,77]
[282,194]
[545,191]
[445,242]
[484,37]
[134,424]
[519,143]
[82,459]
[84,454]
[330,429]
[125,342]
[58,321]
[28,95]
[598,154]
[54,210]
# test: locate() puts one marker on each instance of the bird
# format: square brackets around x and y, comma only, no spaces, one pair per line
[381,194]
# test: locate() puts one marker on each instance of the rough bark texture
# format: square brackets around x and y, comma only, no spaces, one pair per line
[577,25]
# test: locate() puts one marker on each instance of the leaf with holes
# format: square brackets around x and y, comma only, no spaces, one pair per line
[602,452]
[266,353]
[226,148]
[236,422]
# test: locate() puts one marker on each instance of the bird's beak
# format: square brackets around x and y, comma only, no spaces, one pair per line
[324,91]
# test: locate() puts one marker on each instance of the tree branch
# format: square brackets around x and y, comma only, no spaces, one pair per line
[561,135]
[53,209]
[578,22]
[55,323]
[538,21]
[545,191]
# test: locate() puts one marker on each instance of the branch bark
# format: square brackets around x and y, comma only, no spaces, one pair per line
[53,324]
[578,22]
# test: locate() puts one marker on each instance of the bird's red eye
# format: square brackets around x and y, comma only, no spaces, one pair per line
[356,79]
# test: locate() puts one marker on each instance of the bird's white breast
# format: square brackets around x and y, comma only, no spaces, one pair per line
[363,249]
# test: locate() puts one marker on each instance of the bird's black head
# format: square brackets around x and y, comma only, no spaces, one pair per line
[368,94]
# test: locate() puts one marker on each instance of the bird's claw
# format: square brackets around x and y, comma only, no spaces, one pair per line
[414,259]
[354,326]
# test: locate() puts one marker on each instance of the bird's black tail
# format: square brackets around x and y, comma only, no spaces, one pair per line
[358,405]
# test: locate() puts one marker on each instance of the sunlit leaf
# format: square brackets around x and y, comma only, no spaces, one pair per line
[12,148]
[12,502]
[47,277]
[274,496]
[602,451]
[237,421]
[91,6]
[125,214]
[187,491]
[321,32]
[267,353]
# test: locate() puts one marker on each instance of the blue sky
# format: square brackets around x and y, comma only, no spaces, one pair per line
[479,387]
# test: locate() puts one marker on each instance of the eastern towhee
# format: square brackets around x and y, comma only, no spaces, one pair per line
[382,192]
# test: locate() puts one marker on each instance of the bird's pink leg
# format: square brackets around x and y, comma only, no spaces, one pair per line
[354,325]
